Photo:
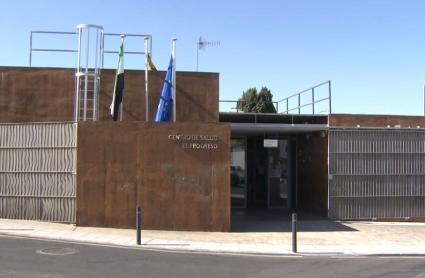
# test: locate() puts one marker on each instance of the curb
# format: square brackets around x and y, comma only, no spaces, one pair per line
[154,249]
[146,247]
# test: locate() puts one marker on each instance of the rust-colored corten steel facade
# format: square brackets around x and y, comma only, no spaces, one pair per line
[177,172]
[312,167]
[36,94]
[180,173]
[47,95]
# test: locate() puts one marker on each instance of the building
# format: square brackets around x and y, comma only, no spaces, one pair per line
[189,175]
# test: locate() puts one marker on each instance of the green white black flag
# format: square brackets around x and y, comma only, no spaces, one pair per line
[118,85]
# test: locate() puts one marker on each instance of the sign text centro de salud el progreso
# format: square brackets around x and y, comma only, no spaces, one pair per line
[196,141]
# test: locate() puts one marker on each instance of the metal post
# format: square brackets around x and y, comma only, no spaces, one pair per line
[197,55]
[77,82]
[424,98]
[312,98]
[150,46]
[330,98]
[146,81]
[102,35]
[96,74]
[299,103]
[294,232]
[296,173]
[139,225]
[103,50]
[121,108]
[287,106]
[30,48]
[86,77]
[174,80]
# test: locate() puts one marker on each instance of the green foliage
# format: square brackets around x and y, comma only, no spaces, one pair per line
[256,102]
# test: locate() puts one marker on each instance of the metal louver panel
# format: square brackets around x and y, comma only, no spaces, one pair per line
[376,173]
[38,171]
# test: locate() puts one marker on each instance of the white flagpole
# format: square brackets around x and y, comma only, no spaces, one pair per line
[174,78]
[146,81]
[122,62]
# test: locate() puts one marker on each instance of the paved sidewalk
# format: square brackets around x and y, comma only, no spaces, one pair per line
[314,238]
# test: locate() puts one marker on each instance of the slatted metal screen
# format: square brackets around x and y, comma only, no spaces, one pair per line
[38,171]
[376,173]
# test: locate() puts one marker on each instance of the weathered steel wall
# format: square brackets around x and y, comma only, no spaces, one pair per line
[47,95]
[38,171]
[376,173]
[179,186]
[312,172]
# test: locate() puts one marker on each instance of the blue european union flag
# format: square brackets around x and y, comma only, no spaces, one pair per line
[163,112]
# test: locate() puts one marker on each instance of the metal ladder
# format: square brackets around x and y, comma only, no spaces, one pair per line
[87,74]
[89,100]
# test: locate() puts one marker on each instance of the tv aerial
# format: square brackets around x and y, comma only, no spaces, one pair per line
[201,44]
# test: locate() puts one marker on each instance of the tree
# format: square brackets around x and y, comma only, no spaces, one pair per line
[261,102]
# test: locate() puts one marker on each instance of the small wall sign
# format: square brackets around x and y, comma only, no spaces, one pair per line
[270,143]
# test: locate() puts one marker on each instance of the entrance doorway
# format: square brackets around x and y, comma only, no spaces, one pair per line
[262,172]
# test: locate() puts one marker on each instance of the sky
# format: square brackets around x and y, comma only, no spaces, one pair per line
[373,51]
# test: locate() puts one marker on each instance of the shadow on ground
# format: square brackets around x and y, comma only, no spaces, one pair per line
[269,220]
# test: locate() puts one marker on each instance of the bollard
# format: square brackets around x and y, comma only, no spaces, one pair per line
[294,233]
[139,225]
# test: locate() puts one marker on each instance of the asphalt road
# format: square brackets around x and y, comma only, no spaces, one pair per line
[36,258]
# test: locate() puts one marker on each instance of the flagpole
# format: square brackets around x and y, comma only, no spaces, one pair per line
[146,81]
[122,62]
[174,78]
[77,82]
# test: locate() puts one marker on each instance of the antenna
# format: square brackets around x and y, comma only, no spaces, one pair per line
[201,44]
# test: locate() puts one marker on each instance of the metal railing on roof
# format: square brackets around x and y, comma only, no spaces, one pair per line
[284,106]
[32,49]
[311,104]
[75,50]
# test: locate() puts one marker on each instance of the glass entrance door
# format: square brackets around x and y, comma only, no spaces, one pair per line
[279,175]
[238,172]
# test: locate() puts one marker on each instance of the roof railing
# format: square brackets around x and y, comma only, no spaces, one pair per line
[313,102]
[75,50]
[283,106]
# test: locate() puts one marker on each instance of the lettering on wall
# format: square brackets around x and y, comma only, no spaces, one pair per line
[195,141]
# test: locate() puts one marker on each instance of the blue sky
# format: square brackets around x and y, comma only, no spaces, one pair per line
[372,50]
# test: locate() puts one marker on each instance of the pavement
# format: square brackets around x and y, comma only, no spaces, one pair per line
[23,257]
[315,237]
